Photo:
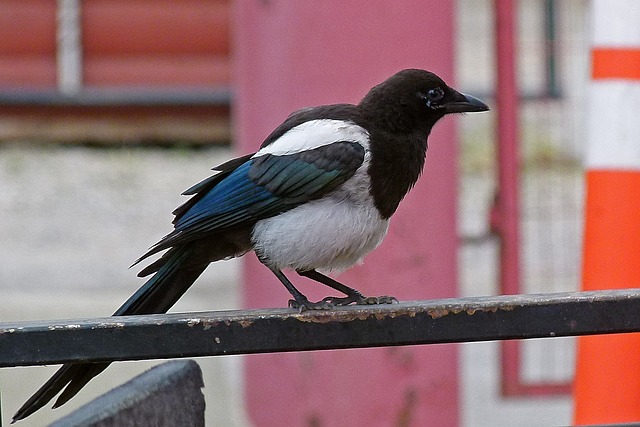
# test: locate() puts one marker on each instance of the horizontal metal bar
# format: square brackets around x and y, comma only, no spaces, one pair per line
[117,97]
[277,330]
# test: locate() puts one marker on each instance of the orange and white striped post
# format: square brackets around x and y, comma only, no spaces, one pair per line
[607,386]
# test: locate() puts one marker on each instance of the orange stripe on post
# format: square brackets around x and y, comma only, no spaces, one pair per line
[612,230]
[607,386]
[615,63]
[607,380]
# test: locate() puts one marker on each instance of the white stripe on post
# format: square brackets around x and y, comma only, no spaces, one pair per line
[69,47]
[613,125]
[613,121]
[616,23]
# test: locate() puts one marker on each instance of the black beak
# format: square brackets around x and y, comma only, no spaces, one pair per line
[462,103]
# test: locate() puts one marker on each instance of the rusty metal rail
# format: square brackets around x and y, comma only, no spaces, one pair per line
[277,330]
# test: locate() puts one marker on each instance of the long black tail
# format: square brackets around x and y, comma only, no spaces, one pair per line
[176,273]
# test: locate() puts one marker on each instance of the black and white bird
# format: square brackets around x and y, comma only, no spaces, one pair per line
[317,196]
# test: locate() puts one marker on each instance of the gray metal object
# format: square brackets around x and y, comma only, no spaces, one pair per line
[115,97]
[165,395]
[277,330]
[69,47]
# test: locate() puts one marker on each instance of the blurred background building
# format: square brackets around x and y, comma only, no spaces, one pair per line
[105,102]
[123,71]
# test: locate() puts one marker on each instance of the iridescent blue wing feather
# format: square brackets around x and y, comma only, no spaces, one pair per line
[260,187]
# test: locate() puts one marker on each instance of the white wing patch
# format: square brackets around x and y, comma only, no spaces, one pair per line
[315,134]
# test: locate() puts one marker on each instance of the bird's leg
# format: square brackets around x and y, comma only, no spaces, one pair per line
[300,301]
[352,295]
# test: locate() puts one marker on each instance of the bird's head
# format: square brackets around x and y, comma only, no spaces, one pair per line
[419,98]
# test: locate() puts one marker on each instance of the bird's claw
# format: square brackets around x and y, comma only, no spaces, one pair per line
[359,299]
[383,299]
[308,305]
[329,303]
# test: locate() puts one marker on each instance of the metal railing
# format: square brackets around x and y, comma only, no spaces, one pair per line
[278,330]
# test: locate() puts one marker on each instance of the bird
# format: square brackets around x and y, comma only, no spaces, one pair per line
[316,197]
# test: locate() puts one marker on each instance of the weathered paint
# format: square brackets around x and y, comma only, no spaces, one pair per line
[218,333]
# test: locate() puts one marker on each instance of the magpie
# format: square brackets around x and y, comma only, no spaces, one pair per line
[317,196]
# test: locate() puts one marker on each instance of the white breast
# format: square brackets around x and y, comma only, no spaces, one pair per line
[332,233]
[319,235]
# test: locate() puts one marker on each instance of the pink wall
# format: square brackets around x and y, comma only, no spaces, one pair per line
[294,54]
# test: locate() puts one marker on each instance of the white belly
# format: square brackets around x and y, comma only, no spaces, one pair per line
[327,234]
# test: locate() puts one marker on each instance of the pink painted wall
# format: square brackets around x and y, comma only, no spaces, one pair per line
[294,54]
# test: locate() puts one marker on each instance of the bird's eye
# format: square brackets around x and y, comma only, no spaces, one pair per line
[435,94]
[432,97]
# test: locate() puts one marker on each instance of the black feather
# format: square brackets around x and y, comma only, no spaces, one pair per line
[203,187]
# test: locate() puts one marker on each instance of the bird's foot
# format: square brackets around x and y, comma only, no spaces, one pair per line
[382,299]
[305,304]
[359,299]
